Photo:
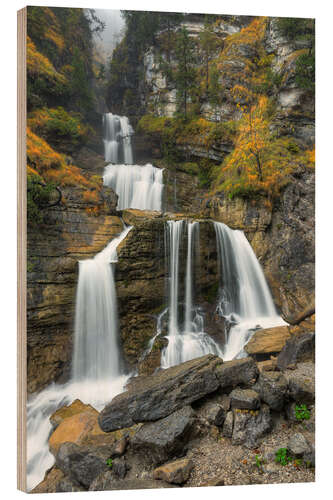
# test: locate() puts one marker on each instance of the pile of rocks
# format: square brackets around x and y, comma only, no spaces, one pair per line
[140,438]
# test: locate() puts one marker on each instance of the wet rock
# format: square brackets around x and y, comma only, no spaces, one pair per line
[297,348]
[68,411]
[176,472]
[73,429]
[165,438]
[79,464]
[267,341]
[250,426]
[272,388]
[245,399]
[235,372]
[154,397]
[298,445]
[228,425]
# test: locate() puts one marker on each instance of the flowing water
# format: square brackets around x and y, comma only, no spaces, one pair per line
[139,187]
[245,300]
[117,139]
[190,341]
[97,374]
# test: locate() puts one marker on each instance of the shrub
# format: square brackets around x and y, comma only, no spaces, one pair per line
[282,457]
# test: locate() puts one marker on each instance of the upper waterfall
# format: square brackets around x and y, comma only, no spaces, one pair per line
[137,186]
[117,139]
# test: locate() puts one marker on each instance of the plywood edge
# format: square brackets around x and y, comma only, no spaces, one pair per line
[21,250]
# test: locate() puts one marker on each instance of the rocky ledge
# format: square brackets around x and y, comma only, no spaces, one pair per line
[203,422]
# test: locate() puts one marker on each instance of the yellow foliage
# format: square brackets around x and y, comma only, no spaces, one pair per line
[39,65]
[52,167]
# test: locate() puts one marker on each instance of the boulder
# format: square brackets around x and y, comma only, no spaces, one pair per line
[80,464]
[165,438]
[105,482]
[157,396]
[176,472]
[119,468]
[73,429]
[235,372]
[120,447]
[267,366]
[272,388]
[250,426]
[214,413]
[228,425]
[267,341]
[301,389]
[68,411]
[55,481]
[297,348]
[298,445]
[245,399]
[301,383]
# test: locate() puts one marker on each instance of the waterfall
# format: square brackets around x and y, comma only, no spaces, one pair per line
[191,231]
[245,300]
[96,348]
[191,341]
[117,139]
[139,187]
[97,374]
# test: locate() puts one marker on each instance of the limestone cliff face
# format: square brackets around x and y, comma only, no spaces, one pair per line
[283,238]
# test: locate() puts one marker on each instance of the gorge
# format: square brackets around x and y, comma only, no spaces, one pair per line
[168,259]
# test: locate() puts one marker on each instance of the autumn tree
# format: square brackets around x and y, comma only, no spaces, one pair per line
[260,162]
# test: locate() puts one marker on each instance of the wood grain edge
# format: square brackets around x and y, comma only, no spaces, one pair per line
[21,251]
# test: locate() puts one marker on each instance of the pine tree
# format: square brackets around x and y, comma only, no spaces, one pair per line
[185,73]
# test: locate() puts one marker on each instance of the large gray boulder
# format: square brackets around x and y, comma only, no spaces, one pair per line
[297,348]
[272,388]
[250,426]
[237,372]
[154,397]
[80,464]
[246,399]
[165,438]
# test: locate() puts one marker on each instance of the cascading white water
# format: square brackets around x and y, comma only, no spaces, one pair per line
[190,342]
[137,186]
[117,139]
[191,232]
[245,299]
[96,349]
[96,374]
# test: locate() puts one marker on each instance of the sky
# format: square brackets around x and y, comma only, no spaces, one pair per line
[114,24]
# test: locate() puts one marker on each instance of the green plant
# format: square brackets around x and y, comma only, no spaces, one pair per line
[302,412]
[109,463]
[282,457]
[259,462]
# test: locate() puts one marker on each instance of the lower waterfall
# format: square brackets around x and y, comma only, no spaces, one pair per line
[97,374]
[190,341]
[139,187]
[245,301]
